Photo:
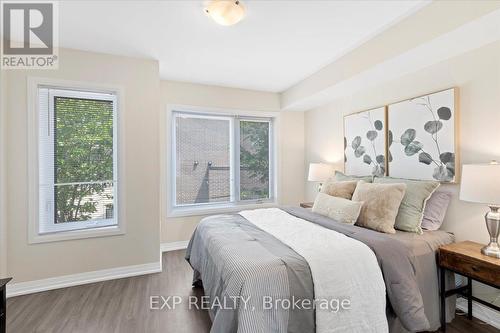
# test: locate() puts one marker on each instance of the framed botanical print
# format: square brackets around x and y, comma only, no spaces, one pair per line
[422,137]
[365,142]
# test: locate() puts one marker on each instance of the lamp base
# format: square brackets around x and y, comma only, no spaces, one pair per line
[493,226]
[491,250]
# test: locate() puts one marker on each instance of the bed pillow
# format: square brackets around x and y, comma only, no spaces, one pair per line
[343,189]
[435,210]
[411,211]
[381,205]
[339,176]
[338,209]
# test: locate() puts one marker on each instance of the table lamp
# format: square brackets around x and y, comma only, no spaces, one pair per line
[319,172]
[481,184]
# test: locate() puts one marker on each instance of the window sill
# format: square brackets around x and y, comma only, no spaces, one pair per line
[76,234]
[219,209]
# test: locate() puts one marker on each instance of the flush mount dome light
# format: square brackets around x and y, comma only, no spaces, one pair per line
[225,12]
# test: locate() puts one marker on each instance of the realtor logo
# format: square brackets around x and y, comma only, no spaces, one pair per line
[29,35]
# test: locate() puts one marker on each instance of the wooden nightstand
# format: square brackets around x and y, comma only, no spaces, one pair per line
[465,258]
[306,204]
[3,304]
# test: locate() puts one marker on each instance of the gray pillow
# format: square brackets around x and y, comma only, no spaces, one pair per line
[435,210]
[338,209]
[411,211]
[381,204]
[339,176]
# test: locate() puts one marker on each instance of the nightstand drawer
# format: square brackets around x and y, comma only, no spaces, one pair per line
[479,270]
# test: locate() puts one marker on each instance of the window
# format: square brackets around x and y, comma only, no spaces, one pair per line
[77,160]
[221,160]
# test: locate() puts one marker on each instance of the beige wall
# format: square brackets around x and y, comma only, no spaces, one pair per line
[140,112]
[290,140]
[477,74]
[144,105]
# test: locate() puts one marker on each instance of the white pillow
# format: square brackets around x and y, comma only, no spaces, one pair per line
[338,209]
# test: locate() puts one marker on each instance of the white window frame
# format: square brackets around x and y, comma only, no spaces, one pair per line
[99,228]
[235,204]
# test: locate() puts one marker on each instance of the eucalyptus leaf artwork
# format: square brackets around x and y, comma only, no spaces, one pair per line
[364,143]
[421,137]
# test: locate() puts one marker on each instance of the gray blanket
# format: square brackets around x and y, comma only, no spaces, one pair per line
[408,263]
[234,258]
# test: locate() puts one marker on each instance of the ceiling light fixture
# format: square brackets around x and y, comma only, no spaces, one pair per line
[225,12]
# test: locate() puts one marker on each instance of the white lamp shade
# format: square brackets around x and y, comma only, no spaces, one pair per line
[481,183]
[319,172]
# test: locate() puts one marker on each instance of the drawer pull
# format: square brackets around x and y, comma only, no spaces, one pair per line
[475,269]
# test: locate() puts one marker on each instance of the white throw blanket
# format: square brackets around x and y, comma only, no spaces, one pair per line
[341,268]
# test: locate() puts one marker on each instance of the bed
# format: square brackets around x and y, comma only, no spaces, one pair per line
[255,258]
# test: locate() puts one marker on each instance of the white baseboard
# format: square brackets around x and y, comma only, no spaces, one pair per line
[173,246]
[481,312]
[29,287]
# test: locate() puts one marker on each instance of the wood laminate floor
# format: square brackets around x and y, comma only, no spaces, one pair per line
[123,306]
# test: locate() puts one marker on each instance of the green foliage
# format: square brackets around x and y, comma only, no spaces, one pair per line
[254,156]
[83,153]
[254,193]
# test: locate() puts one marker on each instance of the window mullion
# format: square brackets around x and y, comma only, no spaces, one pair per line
[236,159]
[49,161]
[272,161]
[116,173]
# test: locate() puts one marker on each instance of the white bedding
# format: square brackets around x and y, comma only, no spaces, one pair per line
[341,268]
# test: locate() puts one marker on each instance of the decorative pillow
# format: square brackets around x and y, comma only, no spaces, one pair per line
[411,211]
[338,209]
[381,205]
[435,210]
[339,176]
[339,189]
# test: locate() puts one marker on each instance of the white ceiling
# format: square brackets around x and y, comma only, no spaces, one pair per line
[278,44]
